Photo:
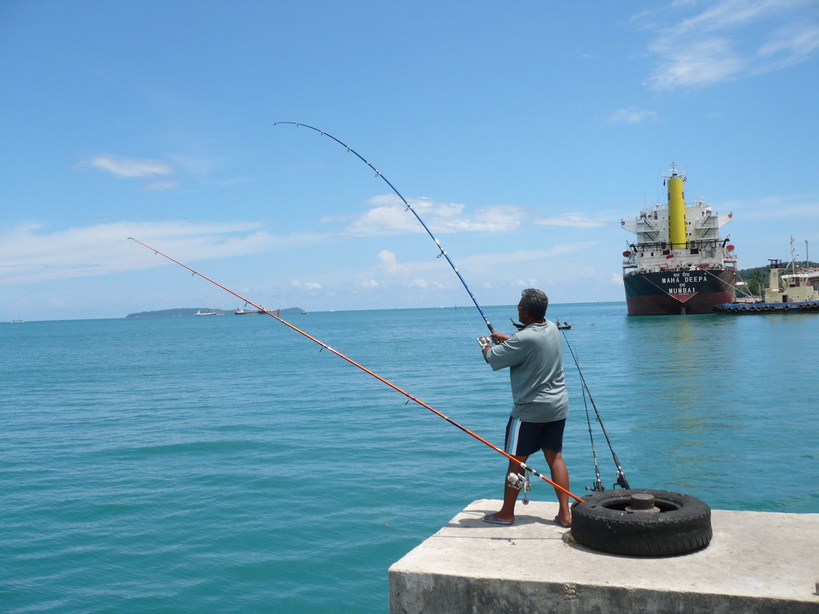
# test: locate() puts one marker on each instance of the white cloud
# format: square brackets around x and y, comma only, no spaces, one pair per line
[305,285]
[129,167]
[525,256]
[160,186]
[29,253]
[390,215]
[799,207]
[498,218]
[576,220]
[632,115]
[727,13]
[789,45]
[696,64]
[384,219]
[388,261]
[727,40]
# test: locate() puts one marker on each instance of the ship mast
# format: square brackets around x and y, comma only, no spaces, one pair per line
[677,235]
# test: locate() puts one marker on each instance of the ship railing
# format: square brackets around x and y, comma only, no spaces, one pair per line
[671,268]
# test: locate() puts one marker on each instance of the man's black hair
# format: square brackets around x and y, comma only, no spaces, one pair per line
[535,302]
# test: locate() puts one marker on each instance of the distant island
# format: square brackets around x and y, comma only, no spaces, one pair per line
[192,311]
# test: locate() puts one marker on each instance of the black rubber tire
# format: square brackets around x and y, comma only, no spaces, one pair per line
[683,524]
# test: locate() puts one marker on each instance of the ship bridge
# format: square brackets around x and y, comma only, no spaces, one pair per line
[678,237]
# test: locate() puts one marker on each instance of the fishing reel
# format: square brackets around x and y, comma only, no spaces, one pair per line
[485,342]
[598,485]
[520,482]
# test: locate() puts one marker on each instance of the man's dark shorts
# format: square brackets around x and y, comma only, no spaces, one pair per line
[525,438]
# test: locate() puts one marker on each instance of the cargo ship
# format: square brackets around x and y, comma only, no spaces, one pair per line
[679,264]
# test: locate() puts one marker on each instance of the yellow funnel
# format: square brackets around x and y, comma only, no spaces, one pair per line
[677,235]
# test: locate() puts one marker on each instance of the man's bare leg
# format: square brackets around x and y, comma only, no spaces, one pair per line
[560,476]
[510,494]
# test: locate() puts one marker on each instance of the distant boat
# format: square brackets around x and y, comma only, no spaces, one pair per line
[247,312]
[206,313]
[16,321]
[564,326]
[796,291]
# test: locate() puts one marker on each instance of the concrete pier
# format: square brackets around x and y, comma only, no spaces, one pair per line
[756,562]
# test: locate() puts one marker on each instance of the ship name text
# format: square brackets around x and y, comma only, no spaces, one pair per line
[684,279]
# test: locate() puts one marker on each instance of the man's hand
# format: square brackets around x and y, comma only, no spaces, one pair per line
[499,338]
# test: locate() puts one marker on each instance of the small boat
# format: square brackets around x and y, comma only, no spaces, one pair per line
[245,312]
[206,313]
[789,290]
[564,326]
[16,321]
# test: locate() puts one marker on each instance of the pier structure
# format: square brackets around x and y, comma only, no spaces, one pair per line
[756,562]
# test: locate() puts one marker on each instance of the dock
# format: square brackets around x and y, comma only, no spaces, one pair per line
[756,562]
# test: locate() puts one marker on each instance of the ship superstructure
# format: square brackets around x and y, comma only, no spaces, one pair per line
[679,264]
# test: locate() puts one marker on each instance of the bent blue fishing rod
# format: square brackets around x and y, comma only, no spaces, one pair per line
[275,316]
[409,208]
[598,485]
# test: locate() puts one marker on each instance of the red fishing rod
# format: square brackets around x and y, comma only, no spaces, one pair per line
[523,465]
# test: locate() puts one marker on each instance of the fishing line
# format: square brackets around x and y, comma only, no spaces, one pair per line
[598,483]
[80,269]
[324,346]
[621,477]
[409,208]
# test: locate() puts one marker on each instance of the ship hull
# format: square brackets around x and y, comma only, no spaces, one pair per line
[668,293]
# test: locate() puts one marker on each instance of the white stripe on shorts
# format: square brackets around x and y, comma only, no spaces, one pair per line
[514,434]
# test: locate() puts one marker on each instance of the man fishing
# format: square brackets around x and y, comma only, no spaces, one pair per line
[534,356]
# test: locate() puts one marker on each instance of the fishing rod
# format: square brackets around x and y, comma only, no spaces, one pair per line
[523,465]
[597,485]
[621,477]
[409,208]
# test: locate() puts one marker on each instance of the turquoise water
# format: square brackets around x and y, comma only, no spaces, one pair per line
[229,464]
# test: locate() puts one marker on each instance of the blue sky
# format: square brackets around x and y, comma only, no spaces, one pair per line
[521,133]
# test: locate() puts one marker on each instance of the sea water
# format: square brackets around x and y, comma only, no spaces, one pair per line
[229,464]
